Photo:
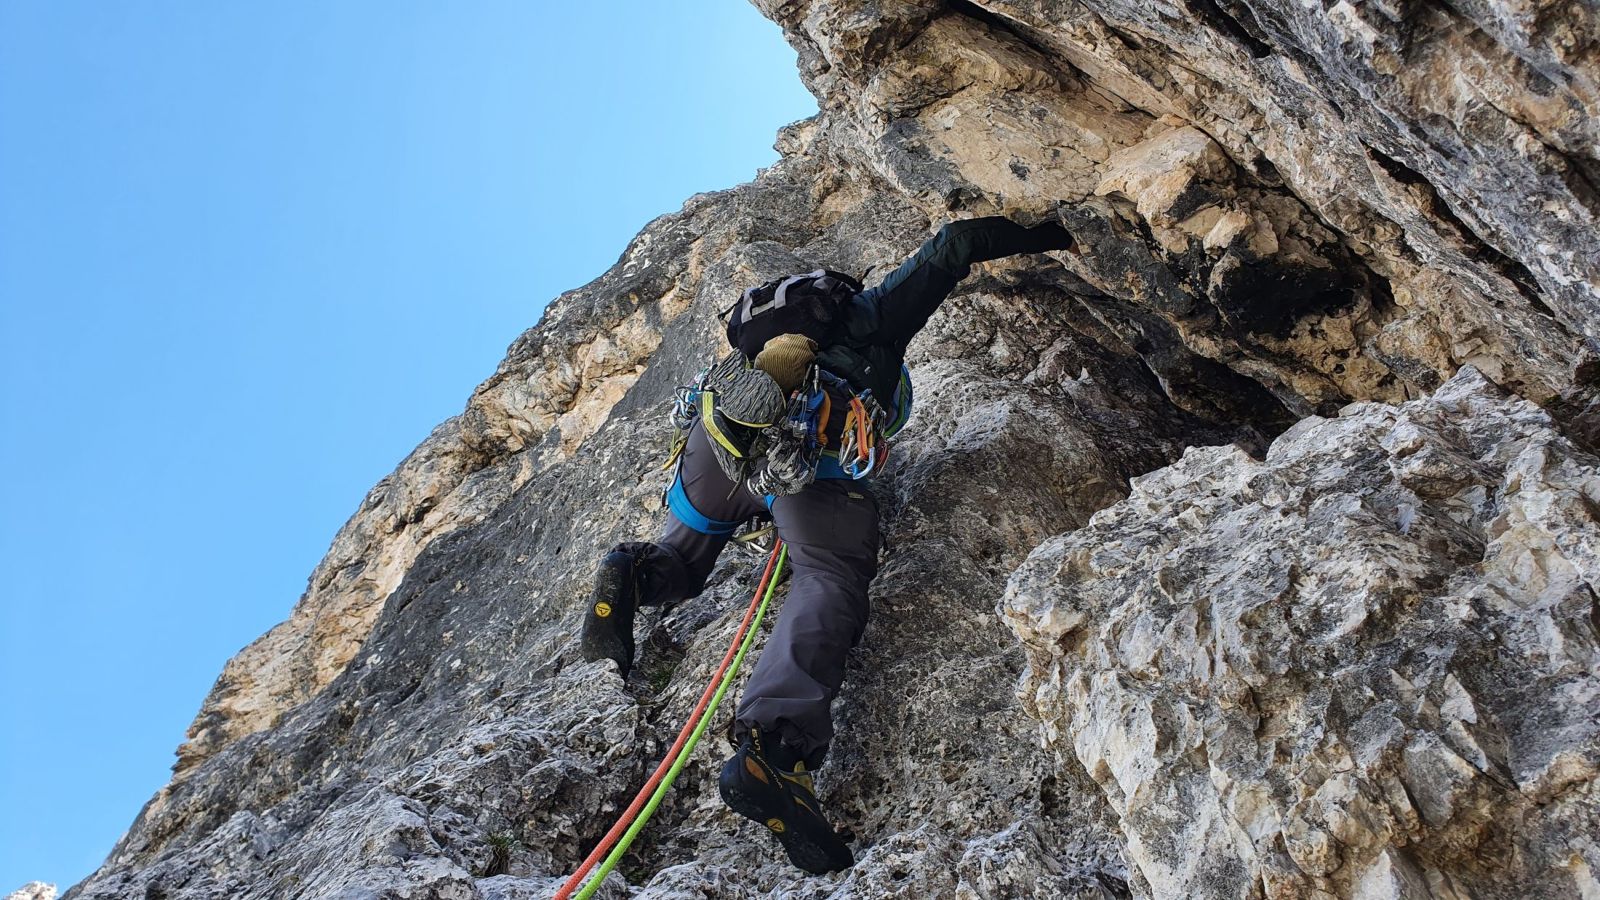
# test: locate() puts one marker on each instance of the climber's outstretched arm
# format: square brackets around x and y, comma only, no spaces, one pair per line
[902,303]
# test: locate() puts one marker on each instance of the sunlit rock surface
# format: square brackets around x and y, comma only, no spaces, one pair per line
[1365,663]
[1358,663]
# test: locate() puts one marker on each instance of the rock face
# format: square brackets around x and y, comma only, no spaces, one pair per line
[1363,666]
[1280,481]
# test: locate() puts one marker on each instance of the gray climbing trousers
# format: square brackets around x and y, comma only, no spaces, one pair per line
[831,529]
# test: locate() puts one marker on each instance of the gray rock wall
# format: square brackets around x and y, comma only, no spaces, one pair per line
[1358,663]
[1363,666]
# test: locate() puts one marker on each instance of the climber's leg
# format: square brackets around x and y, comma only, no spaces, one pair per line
[831,529]
[705,508]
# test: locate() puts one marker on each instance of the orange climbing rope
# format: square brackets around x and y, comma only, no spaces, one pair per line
[649,788]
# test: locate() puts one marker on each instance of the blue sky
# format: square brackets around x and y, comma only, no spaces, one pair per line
[249,257]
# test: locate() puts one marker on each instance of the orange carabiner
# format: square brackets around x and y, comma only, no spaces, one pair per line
[859,410]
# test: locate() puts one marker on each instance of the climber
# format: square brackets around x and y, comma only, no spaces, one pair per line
[840,348]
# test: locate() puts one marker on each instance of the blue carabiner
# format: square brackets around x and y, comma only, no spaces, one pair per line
[855,472]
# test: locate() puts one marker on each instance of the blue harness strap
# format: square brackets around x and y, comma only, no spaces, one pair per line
[678,502]
[828,467]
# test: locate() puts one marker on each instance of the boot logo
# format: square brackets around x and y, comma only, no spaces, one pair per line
[776,824]
[602,609]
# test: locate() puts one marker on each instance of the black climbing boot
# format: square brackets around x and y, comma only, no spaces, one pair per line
[774,789]
[608,623]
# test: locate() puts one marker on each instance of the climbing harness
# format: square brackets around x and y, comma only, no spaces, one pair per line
[792,450]
[649,797]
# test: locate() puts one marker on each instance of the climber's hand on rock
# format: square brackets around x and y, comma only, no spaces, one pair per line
[1049,236]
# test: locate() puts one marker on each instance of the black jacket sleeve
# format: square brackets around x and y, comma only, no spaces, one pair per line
[895,310]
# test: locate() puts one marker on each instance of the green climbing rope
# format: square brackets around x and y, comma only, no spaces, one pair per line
[694,738]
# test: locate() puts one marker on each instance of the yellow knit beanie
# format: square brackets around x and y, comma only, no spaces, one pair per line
[787,358]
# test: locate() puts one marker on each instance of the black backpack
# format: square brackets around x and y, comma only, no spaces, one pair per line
[811,304]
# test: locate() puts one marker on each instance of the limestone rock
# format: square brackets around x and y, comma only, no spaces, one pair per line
[33,890]
[1357,664]
[1366,662]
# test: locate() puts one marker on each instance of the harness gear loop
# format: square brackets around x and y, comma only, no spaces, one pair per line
[791,445]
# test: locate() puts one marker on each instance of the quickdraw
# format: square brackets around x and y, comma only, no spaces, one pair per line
[813,405]
[794,447]
[683,413]
[863,448]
